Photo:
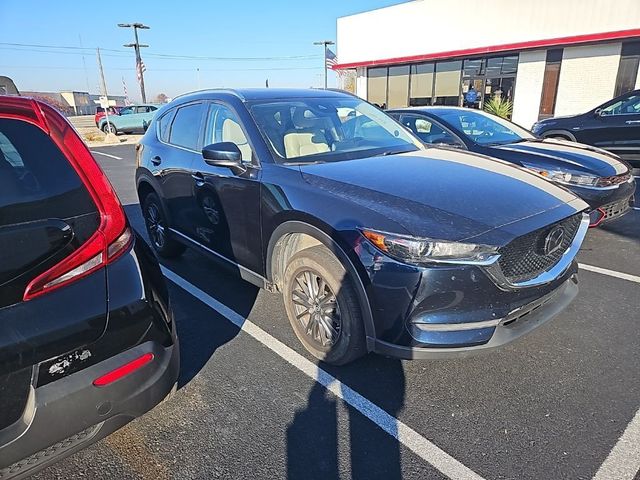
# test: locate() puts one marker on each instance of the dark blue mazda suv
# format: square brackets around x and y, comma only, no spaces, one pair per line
[375,242]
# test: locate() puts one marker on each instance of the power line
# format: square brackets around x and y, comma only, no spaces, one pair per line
[85,50]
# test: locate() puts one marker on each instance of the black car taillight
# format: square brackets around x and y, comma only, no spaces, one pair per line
[113,236]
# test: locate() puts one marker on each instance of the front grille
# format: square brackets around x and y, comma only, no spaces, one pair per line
[524,258]
[616,209]
[613,180]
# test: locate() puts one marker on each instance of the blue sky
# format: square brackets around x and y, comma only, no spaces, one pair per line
[238,28]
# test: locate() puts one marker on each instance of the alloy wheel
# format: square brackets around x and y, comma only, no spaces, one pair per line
[316,308]
[156,226]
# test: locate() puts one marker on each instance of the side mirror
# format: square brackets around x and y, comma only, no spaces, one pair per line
[598,112]
[223,154]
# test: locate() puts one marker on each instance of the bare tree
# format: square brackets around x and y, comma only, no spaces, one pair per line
[161,98]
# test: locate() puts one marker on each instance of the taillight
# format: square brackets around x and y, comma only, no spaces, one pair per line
[113,236]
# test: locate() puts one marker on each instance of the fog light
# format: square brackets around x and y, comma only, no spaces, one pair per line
[596,217]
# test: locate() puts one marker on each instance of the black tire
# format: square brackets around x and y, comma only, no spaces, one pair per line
[109,128]
[157,228]
[346,319]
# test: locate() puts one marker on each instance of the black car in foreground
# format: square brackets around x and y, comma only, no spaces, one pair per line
[87,340]
[376,242]
[600,178]
[613,126]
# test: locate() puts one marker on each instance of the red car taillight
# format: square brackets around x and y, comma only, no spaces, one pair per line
[113,236]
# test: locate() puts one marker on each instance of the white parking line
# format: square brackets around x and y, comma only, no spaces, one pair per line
[611,273]
[411,439]
[106,155]
[636,208]
[623,463]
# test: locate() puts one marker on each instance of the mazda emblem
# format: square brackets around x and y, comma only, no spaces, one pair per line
[554,240]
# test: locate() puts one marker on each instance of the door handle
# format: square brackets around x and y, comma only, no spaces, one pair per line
[156,160]
[631,122]
[199,178]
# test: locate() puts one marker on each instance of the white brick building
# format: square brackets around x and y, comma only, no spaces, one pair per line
[549,57]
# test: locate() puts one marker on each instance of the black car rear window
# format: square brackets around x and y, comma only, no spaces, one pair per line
[36,180]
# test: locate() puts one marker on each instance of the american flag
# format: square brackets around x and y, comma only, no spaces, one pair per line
[140,69]
[330,58]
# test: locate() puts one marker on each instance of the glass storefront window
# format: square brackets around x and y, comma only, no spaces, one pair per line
[377,86]
[473,67]
[398,95]
[510,65]
[448,76]
[421,84]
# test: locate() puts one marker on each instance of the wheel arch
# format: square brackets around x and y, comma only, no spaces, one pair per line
[293,236]
[560,133]
[144,187]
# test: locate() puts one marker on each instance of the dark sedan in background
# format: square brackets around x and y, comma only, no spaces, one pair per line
[599,177]
[614,126]
[87,340]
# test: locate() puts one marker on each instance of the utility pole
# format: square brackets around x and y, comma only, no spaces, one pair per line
[105,106]
[137,47]
[325,44]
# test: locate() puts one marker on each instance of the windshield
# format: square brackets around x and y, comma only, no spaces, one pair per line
[311,130]
[485,129]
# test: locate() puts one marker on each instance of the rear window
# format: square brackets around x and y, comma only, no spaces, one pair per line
[45,210]
[185,128]
[36,180]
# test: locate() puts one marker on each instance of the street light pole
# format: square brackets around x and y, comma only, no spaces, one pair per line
[136,46]
[325,44]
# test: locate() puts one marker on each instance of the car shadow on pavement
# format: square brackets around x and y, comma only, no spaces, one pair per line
[200,331]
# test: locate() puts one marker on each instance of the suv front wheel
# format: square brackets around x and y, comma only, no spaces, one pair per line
[323,307]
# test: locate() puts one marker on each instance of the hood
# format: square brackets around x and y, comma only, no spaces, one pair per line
[565,155]
[440,193]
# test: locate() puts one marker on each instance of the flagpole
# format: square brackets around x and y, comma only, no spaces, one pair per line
[325,44]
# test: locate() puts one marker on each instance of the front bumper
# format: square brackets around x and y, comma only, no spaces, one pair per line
[65,416]
[519,322]
[606,198]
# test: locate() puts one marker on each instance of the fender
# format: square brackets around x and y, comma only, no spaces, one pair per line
[296,226]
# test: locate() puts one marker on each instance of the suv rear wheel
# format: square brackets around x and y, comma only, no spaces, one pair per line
[157,228]
[323,307]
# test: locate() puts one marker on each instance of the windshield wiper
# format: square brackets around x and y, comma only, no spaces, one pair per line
[393,152]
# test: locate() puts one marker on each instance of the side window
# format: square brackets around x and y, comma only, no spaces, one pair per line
[152,109]
[185,127]
[143,109]
[164,125]
[126,111]
[627,106]
[223,126]
[428,131]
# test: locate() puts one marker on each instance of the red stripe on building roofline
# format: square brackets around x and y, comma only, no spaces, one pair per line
[551,42]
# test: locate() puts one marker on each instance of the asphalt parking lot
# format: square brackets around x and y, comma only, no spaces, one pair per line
[253,404]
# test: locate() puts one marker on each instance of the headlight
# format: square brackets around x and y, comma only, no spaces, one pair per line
[565,177]
[426,250]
